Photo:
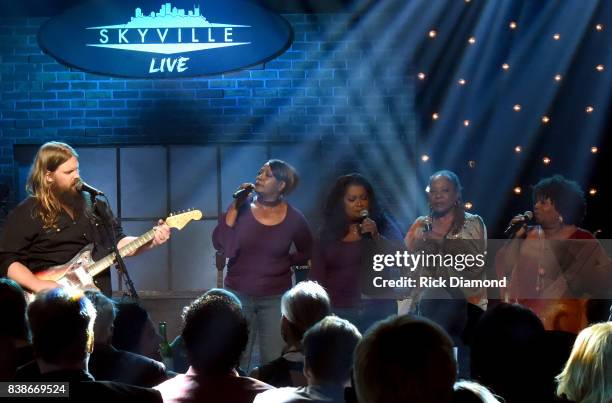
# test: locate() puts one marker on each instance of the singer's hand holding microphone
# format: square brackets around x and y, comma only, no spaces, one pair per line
[241,194]
[368,226]
[425,229]
[518,225]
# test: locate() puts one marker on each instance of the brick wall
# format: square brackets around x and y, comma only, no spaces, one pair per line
[322,88]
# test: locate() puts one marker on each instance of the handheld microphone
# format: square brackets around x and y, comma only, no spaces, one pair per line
[427,224]
[363,214]
[243,192]
[84,187]
[514,226]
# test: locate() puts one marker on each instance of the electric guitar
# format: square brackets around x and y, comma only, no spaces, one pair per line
[81,269]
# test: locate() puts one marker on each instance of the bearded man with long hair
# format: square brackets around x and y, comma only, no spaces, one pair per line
[56,221]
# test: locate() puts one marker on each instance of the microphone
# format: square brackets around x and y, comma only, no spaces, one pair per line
[363,214]
[514,226]
[84,187]
[243,192]
[427,224]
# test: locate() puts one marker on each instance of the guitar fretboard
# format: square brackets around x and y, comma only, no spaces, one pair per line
[131,247]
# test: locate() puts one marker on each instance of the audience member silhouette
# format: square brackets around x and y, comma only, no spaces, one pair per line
[61,322]
[328,351]
[215,333]
[179,351]
[110,364]
[134,331]
[302,306]
[14,333]
[405,359]
[472,392]
[506,355]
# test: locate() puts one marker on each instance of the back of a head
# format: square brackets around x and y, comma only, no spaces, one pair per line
[215,333]
[328,350]
[13,323]
[222,292]
[472,392]
[587,376]
[62,325]
[509,334]
[405,359]
[304,305]
[130,321]
[105,315]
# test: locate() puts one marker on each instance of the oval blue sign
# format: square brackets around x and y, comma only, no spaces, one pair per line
[147,39]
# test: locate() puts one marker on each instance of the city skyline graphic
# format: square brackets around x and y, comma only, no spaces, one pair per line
[167,17]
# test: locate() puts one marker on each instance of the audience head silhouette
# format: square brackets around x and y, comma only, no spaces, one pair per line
[507,339]
[215,333]
[405,359]
[135,331]
[106,312]
[12,299]
[302,306]
[328,351]
[62,323]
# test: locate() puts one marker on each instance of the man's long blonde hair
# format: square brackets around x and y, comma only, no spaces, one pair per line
[587,376]
[48,158]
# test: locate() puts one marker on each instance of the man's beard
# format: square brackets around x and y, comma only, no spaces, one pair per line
[71,199]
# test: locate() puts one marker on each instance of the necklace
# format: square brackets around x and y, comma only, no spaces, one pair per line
[272,203]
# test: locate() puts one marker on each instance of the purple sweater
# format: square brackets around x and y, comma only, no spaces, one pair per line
[259,259]
[337,267]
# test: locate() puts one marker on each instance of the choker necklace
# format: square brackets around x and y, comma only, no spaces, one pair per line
[272,203]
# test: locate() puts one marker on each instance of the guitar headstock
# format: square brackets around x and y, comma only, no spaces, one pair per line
[179,220]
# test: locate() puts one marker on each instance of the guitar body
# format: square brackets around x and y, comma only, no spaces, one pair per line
[73,274]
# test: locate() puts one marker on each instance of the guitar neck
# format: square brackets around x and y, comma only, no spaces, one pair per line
[128,249]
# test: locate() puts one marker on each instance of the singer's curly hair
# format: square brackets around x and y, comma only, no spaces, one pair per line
[565,195]
[335,222]
[48,158]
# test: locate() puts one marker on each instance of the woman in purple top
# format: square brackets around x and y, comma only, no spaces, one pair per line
[256,234]
[351,214]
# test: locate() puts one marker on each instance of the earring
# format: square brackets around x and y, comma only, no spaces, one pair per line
[560,219]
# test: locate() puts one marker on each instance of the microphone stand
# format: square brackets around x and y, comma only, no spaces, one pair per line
[107,222]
